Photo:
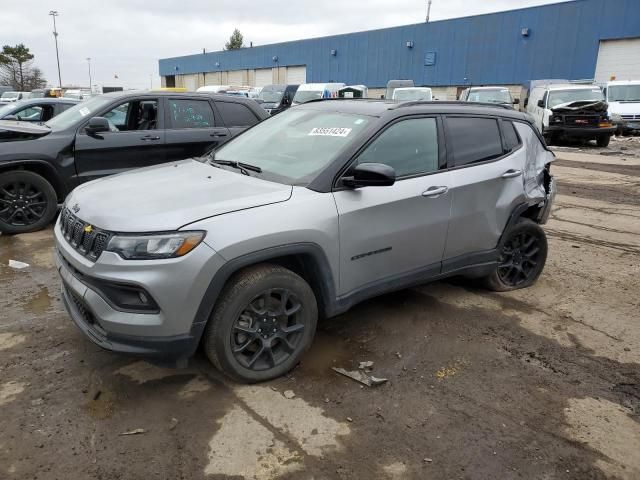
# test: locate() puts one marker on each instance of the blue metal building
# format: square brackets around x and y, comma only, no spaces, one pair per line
[553,41]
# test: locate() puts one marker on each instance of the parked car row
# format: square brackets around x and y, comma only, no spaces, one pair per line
[40,163]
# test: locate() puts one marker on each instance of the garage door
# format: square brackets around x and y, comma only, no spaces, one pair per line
[235,78]
[618,58]
[297,75]
[264,76]
[190,82]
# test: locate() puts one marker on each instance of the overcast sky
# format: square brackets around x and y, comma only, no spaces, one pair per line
[127,37]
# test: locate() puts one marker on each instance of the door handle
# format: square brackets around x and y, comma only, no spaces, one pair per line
[512,173]
[148,138]
[432,192]
[218,134]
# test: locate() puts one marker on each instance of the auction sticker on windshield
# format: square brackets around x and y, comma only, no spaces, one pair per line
[330,132]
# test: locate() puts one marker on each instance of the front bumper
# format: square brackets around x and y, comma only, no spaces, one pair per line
[170,333]
[580,132]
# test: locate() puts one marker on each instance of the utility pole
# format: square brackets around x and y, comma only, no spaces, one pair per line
[90,82]
[428,10]
[54,14]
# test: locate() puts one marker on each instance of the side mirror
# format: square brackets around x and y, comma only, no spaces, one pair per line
[541,103]
[97,125]
[370,175]
[516,101]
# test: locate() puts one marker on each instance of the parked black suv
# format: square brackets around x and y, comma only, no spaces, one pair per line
[41,163]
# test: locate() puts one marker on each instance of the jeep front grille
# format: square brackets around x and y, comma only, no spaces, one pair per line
[89,243]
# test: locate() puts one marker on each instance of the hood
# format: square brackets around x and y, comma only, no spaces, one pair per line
[624,108]
[169,196]
[24,127]
[581,106]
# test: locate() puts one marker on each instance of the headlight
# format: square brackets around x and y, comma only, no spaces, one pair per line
[150,247]
[615,117]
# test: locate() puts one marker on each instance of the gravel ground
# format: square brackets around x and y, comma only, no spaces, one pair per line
[542,383]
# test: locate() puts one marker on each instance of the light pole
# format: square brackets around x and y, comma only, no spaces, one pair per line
[428,10]
[90,83]
[54,14]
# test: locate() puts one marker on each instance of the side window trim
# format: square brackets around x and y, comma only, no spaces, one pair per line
[441,148]
[448,136]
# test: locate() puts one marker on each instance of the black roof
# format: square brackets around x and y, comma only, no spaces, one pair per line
[378,108]
[45,101]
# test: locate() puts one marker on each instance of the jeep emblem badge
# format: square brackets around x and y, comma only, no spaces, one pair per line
[75,208]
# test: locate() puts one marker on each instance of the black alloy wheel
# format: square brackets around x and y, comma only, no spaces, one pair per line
[268,331]
[519,259]
[27,202]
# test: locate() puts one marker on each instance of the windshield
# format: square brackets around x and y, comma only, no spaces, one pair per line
[7,95]
[490,96]
[303,96]
[77,113]
[559,97]
[272,93]
[400,94]
[293,147]
[624,93]
[7,109]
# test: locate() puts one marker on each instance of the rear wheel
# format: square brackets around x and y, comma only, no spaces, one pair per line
[603,140]
[522,258]
[262,323]
[28,202]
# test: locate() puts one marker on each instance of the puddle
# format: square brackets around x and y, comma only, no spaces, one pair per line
[10,340]
[326,351]
[38,303]
[9,391]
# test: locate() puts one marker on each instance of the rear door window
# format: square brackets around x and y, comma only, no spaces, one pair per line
[236,114]
[473,139]
[187,113]
[510,136]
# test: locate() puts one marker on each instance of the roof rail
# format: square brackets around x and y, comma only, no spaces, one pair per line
[452,102]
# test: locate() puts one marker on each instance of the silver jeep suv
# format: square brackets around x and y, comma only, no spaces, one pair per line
[301,217]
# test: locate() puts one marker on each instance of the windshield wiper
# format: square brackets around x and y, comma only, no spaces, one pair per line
[243,167]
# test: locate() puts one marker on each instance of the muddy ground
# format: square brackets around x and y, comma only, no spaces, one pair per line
[541,383]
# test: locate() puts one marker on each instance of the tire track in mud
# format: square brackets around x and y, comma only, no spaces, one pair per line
[595,227]
[630,170]
[574,238]
[614,194]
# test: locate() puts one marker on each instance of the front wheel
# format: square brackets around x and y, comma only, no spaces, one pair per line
[28,202]
[523,254]
[264,320]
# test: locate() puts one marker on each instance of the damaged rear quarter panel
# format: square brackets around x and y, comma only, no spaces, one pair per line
[537,158]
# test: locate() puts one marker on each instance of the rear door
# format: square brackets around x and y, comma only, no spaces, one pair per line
[136,140]
[193,128]
[486,184]
[390,233]
[236,116]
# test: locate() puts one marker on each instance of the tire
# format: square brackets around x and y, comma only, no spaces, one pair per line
[603,140]
[28,202]
[519,267]
[236,339]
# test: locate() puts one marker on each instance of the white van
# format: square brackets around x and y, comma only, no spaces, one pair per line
[313,91]
[623,97]
[214,88]
[412,94]
[570,111]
